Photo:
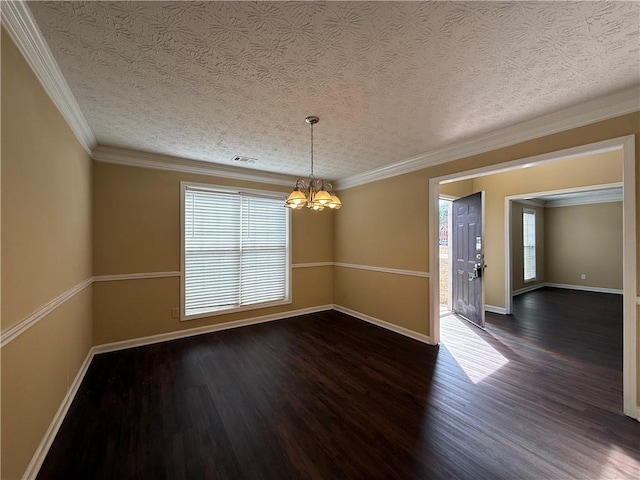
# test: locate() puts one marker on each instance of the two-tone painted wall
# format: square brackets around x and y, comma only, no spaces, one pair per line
[90,251]
[46,256]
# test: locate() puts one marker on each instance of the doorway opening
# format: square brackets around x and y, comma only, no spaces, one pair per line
[626,146]
[581,240]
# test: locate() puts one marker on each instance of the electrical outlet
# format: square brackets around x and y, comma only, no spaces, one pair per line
[583,276]
[175,312]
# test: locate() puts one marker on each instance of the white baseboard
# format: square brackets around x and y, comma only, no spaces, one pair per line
[163,337]
[43,449]
[494,309]
[530,288]
[584,288]
[381,323]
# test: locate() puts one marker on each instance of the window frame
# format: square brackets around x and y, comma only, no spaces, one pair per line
[532,212]
[184,186]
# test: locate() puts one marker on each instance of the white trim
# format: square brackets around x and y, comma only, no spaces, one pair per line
[45,444]
[23,30]
[587,113]
[584,288]
[449,198]
[134,158]
[381,323]
[207,187]
[21,26]
[134,276]
[164,337]
[312,265]
[483,293]
[508,200]
[246,308]
[494,309]
[434,261]
[397,271]
[15,330]
[530,288]
[605,196]
[532,202]
[627,145]
[629,239]
[637,300]
[508,277]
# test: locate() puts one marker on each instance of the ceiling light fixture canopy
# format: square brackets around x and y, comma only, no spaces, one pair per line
[314,193]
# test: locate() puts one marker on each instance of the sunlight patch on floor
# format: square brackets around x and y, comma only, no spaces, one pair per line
[618,462]
[475,356]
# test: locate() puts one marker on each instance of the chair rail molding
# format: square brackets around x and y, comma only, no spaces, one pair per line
[135,276]
[397,271]
[22,326]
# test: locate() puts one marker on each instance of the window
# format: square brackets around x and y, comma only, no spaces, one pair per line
[235,249]
[529,243]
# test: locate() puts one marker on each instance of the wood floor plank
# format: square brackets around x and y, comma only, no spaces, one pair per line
[537,395]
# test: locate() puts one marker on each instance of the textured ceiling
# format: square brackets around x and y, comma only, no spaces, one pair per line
[389,80]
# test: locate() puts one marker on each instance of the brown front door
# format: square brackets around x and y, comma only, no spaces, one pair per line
[468,255]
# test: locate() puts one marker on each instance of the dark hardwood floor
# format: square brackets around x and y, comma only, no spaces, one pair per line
[537,395]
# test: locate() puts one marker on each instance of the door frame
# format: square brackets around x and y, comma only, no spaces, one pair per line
[508,202]
[627,145]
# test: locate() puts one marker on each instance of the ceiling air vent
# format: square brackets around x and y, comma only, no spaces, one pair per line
[241,159]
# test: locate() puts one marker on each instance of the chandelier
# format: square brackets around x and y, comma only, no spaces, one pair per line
[314,193]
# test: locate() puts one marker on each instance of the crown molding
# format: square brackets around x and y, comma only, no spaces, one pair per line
[603,196]
[23,30]
[135,158]
[604,108]
[531,201]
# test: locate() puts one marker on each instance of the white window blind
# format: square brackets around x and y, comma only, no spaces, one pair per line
[529,243]
[236,251]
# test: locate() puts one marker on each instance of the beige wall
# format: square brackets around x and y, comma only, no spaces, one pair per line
[397,237]
[603,168]
[136,215]
[394,234]
[585,239]
[46,250]
[48,207]
[517,254]
[458,189]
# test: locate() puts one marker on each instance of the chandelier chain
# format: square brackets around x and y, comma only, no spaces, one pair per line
[311,150]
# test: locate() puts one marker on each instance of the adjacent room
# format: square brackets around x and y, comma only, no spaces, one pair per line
[222,253]
[564,258]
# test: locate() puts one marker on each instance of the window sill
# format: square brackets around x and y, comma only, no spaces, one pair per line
[215,313]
